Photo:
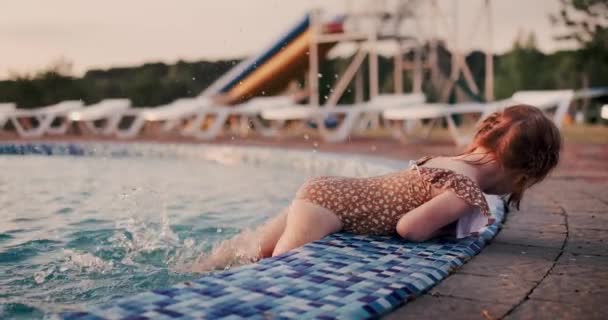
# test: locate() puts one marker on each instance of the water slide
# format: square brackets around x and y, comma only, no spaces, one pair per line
[270,71]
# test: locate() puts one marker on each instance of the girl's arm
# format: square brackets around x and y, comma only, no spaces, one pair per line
[426,221]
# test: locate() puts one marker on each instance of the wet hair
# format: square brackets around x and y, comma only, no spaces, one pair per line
[523,140]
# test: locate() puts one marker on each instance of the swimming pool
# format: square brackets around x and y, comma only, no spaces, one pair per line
[122,219]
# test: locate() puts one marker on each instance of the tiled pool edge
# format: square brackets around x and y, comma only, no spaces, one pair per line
[341,276]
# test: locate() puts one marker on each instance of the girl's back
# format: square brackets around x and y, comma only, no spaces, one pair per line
[374,205]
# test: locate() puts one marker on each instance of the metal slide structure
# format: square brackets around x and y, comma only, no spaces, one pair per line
[270,71]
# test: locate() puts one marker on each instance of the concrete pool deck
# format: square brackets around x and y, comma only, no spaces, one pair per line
[549,261]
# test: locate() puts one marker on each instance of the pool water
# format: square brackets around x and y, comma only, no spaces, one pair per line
[123,219]
[76,231]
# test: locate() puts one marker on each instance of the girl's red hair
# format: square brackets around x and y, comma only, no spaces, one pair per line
[523,140]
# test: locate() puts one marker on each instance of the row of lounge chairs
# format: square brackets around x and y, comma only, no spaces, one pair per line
[201,118]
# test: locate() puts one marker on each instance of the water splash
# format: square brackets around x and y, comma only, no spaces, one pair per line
[242,249]
[85,262]
[135,225]
[40,276]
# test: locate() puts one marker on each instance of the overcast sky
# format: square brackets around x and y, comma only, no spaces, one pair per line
[102,34]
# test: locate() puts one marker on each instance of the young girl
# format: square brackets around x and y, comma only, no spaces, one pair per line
[512,150]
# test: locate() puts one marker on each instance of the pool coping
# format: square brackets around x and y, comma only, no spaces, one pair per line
[549,259]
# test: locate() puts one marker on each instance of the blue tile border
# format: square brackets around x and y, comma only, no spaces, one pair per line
[342,276]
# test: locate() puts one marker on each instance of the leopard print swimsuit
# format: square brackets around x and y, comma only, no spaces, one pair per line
[374,205]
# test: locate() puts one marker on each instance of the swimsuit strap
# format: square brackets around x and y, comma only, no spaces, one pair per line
[423,160]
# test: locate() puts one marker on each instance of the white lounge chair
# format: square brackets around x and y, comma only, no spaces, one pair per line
[591,93]
[353,117]
[210,122]
[402,118]
[405,119]
[168,116]
[45,120]
[6,108]
[558,100]
[101,118]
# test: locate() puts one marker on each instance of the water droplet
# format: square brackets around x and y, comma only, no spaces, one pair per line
[189,242]
[320,75]
[39,277]
[306,137]
[219,230]
[193,78]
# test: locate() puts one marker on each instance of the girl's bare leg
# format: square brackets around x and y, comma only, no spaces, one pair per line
[249,245]
[306,222]
[270,232]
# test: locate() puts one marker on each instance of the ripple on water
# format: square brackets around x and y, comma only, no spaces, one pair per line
[90,221]
[20,311]
[16,231]
[22,231]
[17,220]
[177,207]
[64,210]
[5,237]
[26,250]
[88,238]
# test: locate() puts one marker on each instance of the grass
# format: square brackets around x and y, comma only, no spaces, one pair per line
[594,134]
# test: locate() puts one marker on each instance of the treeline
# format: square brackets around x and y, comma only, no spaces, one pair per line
[152,84]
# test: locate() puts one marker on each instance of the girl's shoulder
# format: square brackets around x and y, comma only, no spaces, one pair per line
[447,179]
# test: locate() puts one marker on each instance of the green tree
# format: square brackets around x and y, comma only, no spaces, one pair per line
[586,23]
[49,86]
[523,68]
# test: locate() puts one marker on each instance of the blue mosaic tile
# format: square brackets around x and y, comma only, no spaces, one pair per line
[326,279]
[342,276]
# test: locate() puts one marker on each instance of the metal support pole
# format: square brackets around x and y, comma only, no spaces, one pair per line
[373,66]
[489,80]
[418,71]
[345,79]
[313,58]
[434,64]
[359,87]
[433,58]
[398,70]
